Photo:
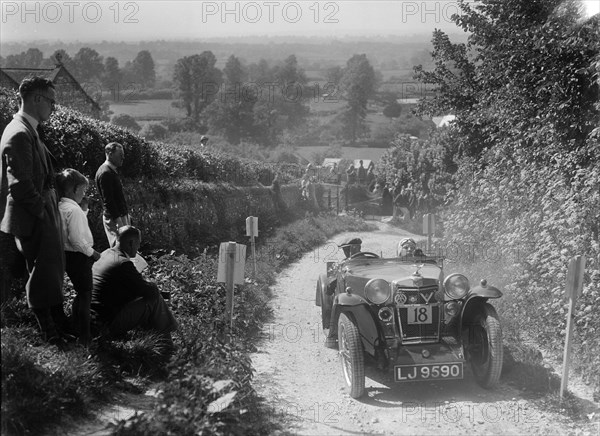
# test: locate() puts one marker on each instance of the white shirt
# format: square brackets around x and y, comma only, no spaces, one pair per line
[76,231]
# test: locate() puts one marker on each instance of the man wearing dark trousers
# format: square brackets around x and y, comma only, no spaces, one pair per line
[29,205]
[121,298]
[115,212]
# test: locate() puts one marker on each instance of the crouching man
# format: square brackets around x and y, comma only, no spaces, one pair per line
[121,298]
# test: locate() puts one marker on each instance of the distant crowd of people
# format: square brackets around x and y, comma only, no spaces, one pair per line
[46,213]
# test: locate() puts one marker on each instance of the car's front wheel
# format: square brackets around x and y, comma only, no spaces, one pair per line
[351,355]
[485,347]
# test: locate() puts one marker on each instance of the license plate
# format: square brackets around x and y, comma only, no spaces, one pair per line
[419,314]
[445,371]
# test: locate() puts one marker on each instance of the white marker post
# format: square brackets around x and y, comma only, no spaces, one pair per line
[573,290]
[429,229]
[252,231]
[232,260]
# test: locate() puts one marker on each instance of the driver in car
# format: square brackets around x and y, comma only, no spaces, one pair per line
[351,247]
[407,247]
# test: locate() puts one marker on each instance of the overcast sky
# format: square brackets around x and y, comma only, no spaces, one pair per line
[155,19]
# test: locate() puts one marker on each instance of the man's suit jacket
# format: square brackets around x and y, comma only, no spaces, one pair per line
[26,172]
[116,283]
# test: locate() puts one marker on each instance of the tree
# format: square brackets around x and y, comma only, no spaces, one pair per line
[232,113]
[143,69]
[197,82]
[32,58]
[260,72]
[358,85]
[526,68]
[89,65]
[392,110]
[334,75]
[112,74]
[234,71]
[291,94]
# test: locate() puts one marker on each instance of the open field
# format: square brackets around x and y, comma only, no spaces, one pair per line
[148,110]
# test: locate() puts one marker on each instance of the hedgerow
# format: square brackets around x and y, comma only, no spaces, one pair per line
[533,217]
[78,142]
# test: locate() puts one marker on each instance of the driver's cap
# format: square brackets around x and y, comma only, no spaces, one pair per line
[347,246]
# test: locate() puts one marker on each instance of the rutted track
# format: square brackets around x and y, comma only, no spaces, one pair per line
[303,382]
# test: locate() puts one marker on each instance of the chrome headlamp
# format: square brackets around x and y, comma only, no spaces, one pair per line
[456,286]
[378,291]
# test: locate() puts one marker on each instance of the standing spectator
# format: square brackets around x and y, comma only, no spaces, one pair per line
[370,179]
[362,173]
[29,205]
[387,201]
[351,173]
[115,212]
[121,299]
[78,243]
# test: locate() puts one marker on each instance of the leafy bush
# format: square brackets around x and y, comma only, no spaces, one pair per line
[126,121]
[154,132]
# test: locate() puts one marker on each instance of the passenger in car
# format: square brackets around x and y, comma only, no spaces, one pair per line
[407,247]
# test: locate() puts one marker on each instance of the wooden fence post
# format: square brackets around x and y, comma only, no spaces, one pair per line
[573,290]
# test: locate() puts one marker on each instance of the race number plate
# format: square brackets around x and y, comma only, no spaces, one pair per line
[420,314]
[444,371]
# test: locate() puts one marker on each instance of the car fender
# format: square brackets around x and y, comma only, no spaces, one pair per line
[359,309]
[486,291]
[477,297]
[322,283]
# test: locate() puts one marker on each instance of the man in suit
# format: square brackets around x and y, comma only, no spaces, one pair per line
[115,213]
[29,205]
[121,298]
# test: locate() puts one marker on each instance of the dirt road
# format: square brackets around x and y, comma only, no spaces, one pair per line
[303,379]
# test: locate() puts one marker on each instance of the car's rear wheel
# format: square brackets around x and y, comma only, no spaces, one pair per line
[351,355]
[485,347]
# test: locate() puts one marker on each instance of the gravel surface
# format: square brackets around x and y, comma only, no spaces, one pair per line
[303,382]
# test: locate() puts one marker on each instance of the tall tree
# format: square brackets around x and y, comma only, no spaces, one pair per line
[234,71]
[260,72]
[197,82]
[334,75]
[358,85]
[291,94]
[526,68]
[231,114]
[112,74]
[143,69]
[88,64]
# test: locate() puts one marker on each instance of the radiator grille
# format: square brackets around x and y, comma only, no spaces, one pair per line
[414,299]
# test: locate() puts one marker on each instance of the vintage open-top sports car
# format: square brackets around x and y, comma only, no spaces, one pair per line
[410,319]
